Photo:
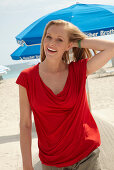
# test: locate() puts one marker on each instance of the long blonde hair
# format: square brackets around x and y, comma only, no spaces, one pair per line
[74,34]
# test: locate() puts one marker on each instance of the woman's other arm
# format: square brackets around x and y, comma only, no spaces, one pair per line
[25,129]
[106,49]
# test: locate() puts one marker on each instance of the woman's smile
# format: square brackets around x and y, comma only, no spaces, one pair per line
[51,50]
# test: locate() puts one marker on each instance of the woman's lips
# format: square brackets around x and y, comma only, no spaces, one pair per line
[51,50]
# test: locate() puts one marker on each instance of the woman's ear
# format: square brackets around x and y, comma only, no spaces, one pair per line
[70,45]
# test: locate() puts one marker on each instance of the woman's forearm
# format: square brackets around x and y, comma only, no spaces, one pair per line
[25,143]
[106,53]
[96,44]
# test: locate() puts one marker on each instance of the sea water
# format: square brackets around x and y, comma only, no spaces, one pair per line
[15,69]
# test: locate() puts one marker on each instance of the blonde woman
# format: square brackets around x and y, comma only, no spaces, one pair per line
[54,90]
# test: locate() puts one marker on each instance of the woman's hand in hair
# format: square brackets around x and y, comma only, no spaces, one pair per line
[106,52]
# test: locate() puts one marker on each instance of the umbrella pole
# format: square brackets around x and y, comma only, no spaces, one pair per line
[112,62]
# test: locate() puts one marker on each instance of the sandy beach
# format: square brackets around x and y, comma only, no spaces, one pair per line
[101,91]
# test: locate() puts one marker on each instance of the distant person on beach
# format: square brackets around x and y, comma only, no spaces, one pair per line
[55,91]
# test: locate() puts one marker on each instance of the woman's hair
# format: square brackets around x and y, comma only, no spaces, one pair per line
[74,34]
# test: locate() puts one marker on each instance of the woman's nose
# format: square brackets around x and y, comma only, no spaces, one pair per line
[53,42]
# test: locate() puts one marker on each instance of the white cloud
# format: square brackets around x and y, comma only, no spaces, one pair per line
[31,4]
[110,2]
[12,6]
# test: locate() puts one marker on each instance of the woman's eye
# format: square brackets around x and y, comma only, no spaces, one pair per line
[59,39]
[48,36]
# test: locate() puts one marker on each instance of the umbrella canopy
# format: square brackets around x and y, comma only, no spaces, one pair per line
[2,71]
[26,52]
[4,68]
[92,19]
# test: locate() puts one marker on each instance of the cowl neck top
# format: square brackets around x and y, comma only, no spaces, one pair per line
[66,129]
[45,86]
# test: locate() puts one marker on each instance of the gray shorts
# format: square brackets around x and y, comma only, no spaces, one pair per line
[91,162]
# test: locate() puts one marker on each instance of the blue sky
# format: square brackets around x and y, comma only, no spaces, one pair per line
[16,15]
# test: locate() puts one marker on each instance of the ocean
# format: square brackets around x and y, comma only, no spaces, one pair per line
[15,69]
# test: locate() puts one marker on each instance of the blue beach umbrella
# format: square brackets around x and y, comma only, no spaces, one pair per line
[92,19]
[26,52]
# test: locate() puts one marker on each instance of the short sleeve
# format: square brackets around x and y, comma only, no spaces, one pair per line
[22,79]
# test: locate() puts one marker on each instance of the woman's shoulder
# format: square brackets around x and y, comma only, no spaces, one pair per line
[79,61]
[79,67]
[27,75]
[30,70]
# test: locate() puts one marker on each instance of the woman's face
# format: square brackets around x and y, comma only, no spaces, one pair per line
[56,41]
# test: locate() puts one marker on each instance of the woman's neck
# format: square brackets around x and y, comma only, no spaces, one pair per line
[53,66]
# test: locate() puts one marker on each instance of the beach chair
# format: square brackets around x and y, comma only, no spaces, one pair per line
[103,73]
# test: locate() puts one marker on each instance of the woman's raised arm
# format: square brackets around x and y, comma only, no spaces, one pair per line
[25,129]
[106,49]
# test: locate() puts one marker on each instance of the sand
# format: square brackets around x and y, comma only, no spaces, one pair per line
[101,91]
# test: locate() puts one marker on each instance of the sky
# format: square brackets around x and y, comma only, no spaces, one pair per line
[16,15]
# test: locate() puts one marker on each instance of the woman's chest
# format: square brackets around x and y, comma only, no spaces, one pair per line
[53,92]
[54,82]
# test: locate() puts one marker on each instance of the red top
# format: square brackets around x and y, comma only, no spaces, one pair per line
[65,127]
